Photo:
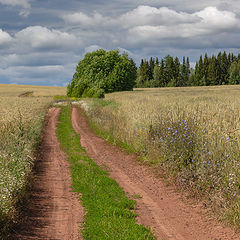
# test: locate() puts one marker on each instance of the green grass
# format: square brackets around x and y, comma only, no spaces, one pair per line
[109,213]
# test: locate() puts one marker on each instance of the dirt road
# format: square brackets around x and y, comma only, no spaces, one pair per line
[160,207]
[53,211]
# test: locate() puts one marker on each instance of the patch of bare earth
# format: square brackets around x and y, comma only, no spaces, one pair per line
[53,210]
[160,206]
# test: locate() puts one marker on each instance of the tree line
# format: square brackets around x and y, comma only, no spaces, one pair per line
[104,71]
[170,72]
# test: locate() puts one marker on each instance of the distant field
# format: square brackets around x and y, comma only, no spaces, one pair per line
[9,90]
[192,132]
[21,121]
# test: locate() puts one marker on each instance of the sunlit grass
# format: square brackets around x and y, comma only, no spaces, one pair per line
[192,133]
[21,120]
[13,90]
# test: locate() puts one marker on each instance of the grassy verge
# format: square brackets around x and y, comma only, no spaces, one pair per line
[190,133]
[109,213]
[97,106]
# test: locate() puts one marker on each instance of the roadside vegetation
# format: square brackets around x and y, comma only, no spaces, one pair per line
[109,213]
[191,133]
[21,120]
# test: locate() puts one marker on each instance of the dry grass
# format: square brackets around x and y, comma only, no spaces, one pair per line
[12,90]
[193,133]
[21,121]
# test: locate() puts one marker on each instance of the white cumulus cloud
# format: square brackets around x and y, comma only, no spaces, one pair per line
[39,37]
[146,15]
[211,17]
[4,37]
[85,20]
[207,22]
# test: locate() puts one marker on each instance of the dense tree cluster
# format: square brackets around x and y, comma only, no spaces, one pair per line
[169,72]
[102,72]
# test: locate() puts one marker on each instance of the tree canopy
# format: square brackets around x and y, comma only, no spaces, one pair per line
[170,72]
[102,72]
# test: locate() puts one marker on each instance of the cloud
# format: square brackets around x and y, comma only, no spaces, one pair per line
[208,22]
[146,25]
[43,38]
[212,18]
[92,48]
[20,3]
[85,20]
[23,4]
[146,15]
[55,75]
[5,38]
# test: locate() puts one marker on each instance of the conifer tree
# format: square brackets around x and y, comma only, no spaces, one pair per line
[212,71]
[177,72]
[151,67]
[162,80]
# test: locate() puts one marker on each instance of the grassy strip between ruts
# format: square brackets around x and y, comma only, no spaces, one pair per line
[109,213]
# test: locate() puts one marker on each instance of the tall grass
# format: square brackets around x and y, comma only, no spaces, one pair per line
[20,127]
[192,133]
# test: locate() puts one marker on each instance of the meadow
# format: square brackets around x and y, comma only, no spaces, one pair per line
[191,133]
[21,120]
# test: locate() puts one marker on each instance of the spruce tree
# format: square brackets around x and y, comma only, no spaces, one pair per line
[212,71]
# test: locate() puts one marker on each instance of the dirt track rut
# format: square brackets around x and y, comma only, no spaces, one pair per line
[53,211]
[160,207]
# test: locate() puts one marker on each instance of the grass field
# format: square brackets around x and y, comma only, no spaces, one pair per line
[21,121]
[193,133]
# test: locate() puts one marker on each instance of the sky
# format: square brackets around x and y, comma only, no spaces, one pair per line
[41,41]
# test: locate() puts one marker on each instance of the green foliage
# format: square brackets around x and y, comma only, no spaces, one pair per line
[171,73]
[109,213]
[234,73]
[102,72]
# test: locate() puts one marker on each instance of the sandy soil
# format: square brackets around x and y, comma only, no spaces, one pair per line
[53,211]
[160,206]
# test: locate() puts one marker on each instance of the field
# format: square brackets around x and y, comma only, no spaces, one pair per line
[21,118]
[192,133]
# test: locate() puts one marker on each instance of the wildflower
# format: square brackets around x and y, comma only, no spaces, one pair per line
[227,138]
